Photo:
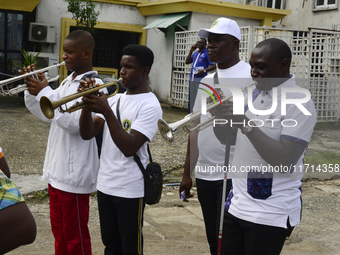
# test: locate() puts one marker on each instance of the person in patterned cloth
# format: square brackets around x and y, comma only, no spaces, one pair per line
[17,225]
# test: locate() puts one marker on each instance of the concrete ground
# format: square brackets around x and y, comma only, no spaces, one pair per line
[172,226]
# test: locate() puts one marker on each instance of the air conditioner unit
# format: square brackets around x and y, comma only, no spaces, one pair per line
[39,32]
[45,60]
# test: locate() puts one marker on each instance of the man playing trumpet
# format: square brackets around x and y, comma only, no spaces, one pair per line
[204,150]
[71,164]
[126,131]
[264,204]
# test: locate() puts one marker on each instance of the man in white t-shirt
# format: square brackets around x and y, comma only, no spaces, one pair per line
[120,181]
[264,203]
[205,153]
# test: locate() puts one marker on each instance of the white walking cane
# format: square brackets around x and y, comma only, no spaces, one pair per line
[226,163]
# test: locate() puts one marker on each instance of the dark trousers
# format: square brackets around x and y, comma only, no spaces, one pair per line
[210,196]
[241,237]
[121,222]
[193,88]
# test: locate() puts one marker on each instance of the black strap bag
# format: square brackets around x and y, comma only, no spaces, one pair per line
[153,177]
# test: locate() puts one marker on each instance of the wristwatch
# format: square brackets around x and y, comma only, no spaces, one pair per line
[248,128]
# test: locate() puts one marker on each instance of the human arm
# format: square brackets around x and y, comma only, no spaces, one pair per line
[128,143]
[190,163]
[188,59]
[68,121]
[201,72]
[277,152]
[3,165]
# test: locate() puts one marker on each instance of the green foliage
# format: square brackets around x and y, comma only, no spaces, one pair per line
[84,14]
[37,196]
[28,59]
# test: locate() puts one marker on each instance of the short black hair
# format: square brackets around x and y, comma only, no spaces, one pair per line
[279,48]
[204,39]
[82,37]
[142,53]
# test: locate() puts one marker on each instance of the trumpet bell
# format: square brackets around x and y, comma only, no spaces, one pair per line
[165,131]
[47,107]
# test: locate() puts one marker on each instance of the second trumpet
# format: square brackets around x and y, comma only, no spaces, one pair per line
[47,106]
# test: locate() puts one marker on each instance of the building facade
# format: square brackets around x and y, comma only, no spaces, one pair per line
[42,25]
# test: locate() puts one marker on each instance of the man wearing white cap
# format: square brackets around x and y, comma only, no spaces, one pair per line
[204,150]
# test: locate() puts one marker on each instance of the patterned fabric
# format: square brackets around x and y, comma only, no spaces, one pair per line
[9,193]
[256,92]
[228,201]
[259,184]
[300,142]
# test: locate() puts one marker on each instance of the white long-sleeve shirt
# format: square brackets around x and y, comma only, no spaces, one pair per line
[71,163]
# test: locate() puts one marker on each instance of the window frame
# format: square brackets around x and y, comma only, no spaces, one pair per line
[274,4]
[325,6]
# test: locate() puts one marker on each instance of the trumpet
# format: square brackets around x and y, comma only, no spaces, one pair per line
[168,130]
[47,106]
[23,87]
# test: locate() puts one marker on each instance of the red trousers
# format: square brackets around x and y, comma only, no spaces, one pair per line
[69,214]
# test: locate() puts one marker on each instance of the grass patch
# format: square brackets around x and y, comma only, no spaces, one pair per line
[37,196]
[327,126]
[323,157]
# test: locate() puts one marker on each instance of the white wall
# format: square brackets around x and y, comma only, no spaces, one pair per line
[202,20]
[303,16]
[162,46]
[51,12]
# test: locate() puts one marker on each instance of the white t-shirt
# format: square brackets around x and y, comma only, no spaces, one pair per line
[211,151]
[271,200]
[119,175]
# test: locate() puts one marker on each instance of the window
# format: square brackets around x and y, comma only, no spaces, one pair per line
[13,38]
[275,4]
[109,46]
[325,4]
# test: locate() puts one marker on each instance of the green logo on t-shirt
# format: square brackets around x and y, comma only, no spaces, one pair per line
[127,125]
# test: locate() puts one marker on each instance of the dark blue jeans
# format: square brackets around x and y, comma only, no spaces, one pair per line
[193,88]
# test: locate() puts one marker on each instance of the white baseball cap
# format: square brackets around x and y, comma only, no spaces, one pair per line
[222,26]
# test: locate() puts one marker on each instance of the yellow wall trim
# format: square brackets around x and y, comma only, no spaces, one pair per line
[66,23]
[123,2]
[19,5]
[213,7]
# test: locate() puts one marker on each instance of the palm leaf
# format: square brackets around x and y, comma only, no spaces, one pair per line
[29,59]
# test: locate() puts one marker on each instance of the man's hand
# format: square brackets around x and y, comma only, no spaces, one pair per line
[193,47]
[35,83]
[200,72]
[185,186]
[225,112]
[96,102]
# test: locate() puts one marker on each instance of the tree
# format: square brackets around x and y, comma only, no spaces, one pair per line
[84,14]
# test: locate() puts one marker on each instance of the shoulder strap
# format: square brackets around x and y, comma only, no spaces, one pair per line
[215,78]
[135,156]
